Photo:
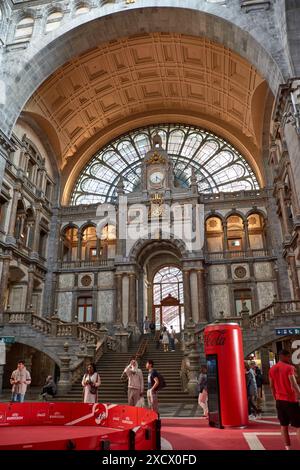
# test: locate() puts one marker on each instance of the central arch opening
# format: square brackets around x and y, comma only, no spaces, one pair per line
[168,301]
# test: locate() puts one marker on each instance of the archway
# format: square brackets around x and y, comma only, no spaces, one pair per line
[168,298]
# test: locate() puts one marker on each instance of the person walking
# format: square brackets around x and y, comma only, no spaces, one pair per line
[165,339]
[251,392]
[202,389]
[49,389]
[135,382]
[146,325]
[91,382]
[286,393]
[20,379]
[153,384]
[172,339]
[152,328]
[259,385]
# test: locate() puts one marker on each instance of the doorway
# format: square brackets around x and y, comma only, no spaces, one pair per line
[168,304]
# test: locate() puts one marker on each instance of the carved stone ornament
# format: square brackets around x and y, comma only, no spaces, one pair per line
[240,272]
[86,281]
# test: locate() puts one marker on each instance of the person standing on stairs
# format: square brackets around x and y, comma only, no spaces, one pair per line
[153,384]
[172,339]
[91,382]
[165,339]
[146,325]
[135,382]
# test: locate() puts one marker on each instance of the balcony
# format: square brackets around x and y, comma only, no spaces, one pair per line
[229,255]
[86,263]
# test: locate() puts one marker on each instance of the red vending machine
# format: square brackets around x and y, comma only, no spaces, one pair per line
[226,382]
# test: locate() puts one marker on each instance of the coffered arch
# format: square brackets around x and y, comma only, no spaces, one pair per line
[143,79]
[82,34]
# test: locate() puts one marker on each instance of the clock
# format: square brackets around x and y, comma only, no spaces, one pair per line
[156,177]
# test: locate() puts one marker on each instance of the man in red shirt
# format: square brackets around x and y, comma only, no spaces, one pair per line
[286,392]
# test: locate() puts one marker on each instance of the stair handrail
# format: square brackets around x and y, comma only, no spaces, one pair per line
[77,370]
[143,346]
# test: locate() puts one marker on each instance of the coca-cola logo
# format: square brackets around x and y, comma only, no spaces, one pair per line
[215,338]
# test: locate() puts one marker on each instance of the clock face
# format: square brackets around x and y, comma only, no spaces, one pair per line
[156,177]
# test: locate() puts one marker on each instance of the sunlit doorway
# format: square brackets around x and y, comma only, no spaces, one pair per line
[168,302]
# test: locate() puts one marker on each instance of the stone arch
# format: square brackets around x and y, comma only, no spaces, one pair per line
[235,212]
[67,226]
[214,214]
[251,346]
[256,211]
[81,34]
[141,247]
[86,225]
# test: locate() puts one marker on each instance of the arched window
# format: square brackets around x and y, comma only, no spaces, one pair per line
[69,244]
[256,230]
[214,234]
[20,222]
[89,251]
[108,242]
[53,21]
[218,166]
[235,233]
[24,29]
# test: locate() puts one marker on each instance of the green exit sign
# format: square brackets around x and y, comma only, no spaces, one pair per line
[7,339]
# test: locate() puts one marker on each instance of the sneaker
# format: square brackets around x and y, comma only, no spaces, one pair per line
[252,417]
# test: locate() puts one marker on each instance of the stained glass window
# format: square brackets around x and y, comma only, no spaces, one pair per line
[218,166]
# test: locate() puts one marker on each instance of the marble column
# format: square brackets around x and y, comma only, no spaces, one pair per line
[283,210]
[118,284]
[201,296]
[13,215]
[294,195]
[36,234]
[132,300]
[3,285]
[294,276]
[187,295]
[29,288]
[246,236]
[225,239]
[79,247]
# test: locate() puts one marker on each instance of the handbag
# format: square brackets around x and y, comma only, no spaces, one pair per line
[140,403]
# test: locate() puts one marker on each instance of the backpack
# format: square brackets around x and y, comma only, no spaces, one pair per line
[161,382]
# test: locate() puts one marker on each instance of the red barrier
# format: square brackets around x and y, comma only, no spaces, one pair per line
[225,341]
[76,425]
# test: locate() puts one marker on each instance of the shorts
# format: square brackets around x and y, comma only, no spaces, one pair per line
[288,413]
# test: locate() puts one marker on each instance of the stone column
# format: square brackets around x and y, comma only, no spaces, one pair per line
[36,233]
[132,300]
[225,240]
[29,288]
[118,291]
[79,247]
[283,210]
[294,196]
[201,296]
[265,364]
[294,275]
[187,295]
[65,382]
[3,285]
[12,218]
[246,236]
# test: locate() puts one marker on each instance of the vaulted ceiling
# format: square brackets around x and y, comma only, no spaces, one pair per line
[146,75]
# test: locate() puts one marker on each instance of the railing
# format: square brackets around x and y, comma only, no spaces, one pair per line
[256,193]
[221,255]
[78,370]
[85,263]
[142,349]
[41,324]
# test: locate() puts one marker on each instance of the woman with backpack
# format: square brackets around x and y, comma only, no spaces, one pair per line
[91,382]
